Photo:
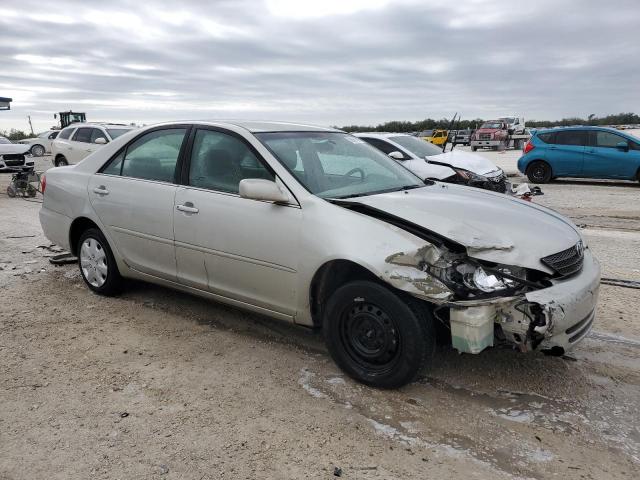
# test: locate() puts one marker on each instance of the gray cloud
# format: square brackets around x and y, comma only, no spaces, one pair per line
[407,59]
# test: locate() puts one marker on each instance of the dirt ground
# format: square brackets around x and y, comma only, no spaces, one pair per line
[158,384]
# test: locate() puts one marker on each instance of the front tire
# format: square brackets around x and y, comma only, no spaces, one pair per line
[539,172]
[37,150]
[377,337]
[97,264]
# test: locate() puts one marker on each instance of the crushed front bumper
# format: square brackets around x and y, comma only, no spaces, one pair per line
[570,305]
[554,319]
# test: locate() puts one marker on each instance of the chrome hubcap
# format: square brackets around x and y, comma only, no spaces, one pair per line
[93,262]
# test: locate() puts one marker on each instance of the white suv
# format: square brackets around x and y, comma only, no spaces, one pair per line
[79,140]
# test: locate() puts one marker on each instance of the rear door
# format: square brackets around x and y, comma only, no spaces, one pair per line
[603,158]
[133,194]
[80,145]
[566,155]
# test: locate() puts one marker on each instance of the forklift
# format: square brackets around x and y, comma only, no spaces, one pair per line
[67,118]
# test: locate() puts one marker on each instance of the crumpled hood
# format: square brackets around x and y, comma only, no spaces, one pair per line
[492,226]
[13,148]
[469,161]
[458,158]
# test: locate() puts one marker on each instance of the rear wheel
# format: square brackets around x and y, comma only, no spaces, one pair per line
[61,161]
[539,172]
[97,264]
[37,150]
[375,336]
[473,149]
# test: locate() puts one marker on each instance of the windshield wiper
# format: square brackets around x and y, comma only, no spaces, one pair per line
[389,190]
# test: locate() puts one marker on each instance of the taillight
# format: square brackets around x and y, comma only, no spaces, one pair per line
[43,183]
[528,147]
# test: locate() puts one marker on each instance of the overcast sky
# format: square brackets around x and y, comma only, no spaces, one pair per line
[329,62]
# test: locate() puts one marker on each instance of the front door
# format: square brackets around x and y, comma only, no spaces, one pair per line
[604,159]
[567,153]
[133,195]
[243,249]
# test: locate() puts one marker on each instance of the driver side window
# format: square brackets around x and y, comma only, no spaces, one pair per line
[219,161]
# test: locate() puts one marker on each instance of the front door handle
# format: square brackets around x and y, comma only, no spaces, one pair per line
[101,190]
[187,208]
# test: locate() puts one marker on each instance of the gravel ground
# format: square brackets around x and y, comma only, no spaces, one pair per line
[157,384]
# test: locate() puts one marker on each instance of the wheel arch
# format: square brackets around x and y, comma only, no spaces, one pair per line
[78,226]
[329,277]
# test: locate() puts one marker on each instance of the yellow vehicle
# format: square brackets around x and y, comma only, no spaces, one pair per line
[437,137]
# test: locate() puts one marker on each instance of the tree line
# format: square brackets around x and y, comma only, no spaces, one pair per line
[445,123]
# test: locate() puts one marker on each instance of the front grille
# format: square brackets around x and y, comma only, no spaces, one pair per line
[485,136]
[13,159]
[566,262]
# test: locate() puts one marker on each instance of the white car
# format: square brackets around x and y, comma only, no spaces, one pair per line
[79,140]
[313,226]
[41,144]
[429,162]
[14,155]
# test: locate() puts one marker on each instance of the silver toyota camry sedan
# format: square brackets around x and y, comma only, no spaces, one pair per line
[314,226]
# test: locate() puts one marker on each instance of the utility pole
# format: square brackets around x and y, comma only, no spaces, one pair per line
[30,125]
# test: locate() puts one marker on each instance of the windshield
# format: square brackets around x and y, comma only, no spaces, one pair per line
[116,132]
[493,125]
[420,148]
[509,120]
[4,140]
[337,165]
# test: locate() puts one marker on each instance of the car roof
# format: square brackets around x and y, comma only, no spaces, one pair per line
[262,126]
[99,124]
[578,127]
[381,134]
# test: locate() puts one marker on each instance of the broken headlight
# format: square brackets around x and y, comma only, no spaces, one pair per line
[470,279]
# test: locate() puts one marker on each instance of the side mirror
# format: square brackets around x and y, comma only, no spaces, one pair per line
[101,141]
[396,155]
[261,189]
[624,146]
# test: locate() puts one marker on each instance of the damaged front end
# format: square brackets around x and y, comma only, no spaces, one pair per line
[484,304]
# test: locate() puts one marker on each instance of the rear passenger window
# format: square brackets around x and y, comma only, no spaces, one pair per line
[219,161]
[152,156]
[571,137]
[83,135]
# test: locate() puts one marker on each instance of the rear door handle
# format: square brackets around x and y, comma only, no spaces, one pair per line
[187,208]
[101,190]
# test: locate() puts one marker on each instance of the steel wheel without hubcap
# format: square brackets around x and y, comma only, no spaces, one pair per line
[93,262]
[539,172]
[371,337]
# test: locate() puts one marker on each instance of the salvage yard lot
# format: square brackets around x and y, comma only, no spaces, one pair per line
[156,383]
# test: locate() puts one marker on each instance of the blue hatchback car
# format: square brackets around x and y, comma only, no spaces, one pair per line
[584,152]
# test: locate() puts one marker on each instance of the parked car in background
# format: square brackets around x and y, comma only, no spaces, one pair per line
[41,144]
[79,140]
[515,125]
[418,156]
[462,137]
[313,226]
[584,152]
[14,155]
